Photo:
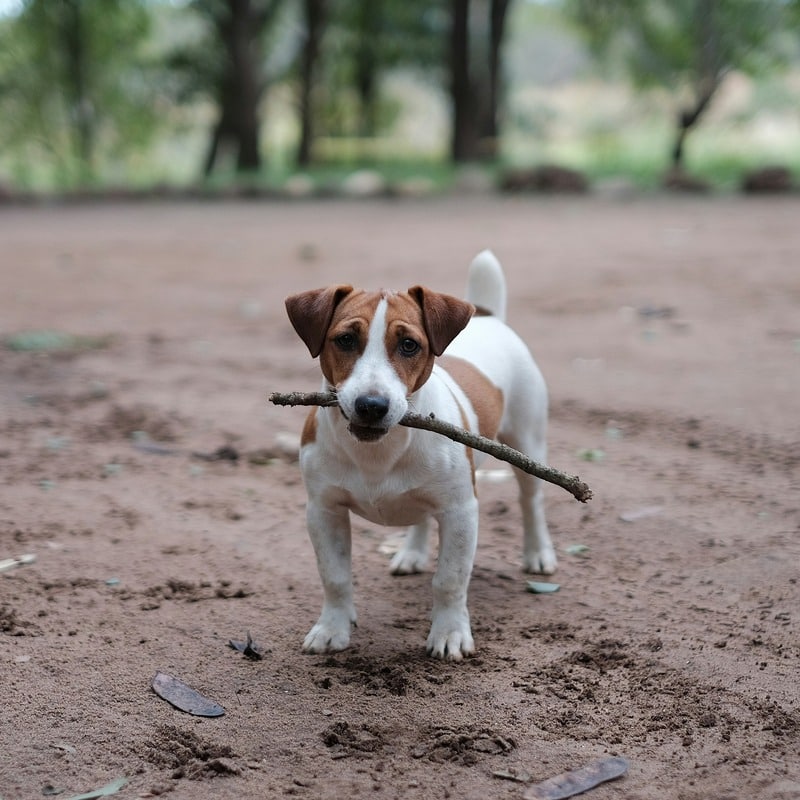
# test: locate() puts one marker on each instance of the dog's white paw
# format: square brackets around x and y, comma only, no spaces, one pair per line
[542,562]
[451,637]
[331,633]
[407,562]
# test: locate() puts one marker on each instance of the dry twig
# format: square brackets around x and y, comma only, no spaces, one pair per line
[572,483]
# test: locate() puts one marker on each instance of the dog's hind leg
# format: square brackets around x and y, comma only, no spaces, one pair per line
[413,556]
[538,554]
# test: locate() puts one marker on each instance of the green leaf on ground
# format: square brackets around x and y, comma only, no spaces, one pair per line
[48,341]
[538,587]
[591,454]
[577,550]
[103,791]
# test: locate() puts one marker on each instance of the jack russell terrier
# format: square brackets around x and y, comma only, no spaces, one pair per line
[379,353]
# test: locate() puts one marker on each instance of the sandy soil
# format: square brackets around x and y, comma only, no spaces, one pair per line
[669,332]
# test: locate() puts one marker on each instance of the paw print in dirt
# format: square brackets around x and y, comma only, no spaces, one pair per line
[462,745]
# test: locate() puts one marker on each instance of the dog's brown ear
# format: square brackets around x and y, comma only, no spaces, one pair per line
[311,313]
[444,316]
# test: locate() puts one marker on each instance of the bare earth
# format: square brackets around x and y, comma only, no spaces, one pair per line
[669,332]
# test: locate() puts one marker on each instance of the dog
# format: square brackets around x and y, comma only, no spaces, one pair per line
[383,354]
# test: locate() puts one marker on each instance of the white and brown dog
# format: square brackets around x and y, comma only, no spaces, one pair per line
[378,353]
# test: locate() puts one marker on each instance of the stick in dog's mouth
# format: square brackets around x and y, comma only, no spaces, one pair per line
[572,483]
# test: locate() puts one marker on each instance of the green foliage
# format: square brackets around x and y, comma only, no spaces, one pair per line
[364,42]
[127,91]
[74,85]
[674,43]
[685,46]
[197,60]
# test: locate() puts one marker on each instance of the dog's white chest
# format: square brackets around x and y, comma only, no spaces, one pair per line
[408,508]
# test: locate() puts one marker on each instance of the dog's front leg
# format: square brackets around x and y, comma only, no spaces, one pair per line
[451,636]
[329,530]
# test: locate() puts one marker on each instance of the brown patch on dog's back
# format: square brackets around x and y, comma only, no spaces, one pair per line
[309,434]
[486,398]
[470,453]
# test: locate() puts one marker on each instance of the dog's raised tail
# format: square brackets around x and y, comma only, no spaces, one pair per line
[486,285]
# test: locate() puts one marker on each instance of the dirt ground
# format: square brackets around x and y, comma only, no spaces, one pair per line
[669,332]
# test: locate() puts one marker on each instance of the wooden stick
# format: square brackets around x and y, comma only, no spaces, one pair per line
[572,483]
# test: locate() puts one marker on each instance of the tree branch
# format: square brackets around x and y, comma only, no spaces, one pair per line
[572,483]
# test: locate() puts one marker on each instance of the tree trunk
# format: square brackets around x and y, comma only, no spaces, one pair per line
[314,12]
[687,119]
[239,26]
[491,127]
[366,65]
[80,106]
[476,47]
[709,72]
[464,142]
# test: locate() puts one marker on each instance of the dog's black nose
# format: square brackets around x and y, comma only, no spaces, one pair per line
[371,407]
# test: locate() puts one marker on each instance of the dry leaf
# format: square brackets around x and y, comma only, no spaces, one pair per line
[579,780]
[184,698]
[248,649]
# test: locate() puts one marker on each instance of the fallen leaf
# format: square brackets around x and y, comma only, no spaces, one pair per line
[538,587]
[103,791]
[591,454]
[576,549]
[67,748]
[577,781]
[184,698]
[54,342]
[19,561]
[248,649]
[520,776]
[641,513]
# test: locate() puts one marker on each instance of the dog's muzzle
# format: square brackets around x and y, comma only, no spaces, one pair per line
[370,410]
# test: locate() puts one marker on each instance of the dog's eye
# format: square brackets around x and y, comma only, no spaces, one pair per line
[408,347]
[345,342]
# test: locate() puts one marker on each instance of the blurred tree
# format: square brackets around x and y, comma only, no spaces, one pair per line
[314,22]
[477,35]
[367,24]
[227,63]
[73,83]
[386,34]
[685,46]
[348,48]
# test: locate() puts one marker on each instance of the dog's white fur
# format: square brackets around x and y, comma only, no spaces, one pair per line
[407,476]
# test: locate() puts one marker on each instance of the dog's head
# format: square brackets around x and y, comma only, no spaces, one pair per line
[376,348]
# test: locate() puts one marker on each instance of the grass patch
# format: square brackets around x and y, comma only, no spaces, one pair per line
[49,341]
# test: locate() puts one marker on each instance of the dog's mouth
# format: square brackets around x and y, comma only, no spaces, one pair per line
[366,433]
